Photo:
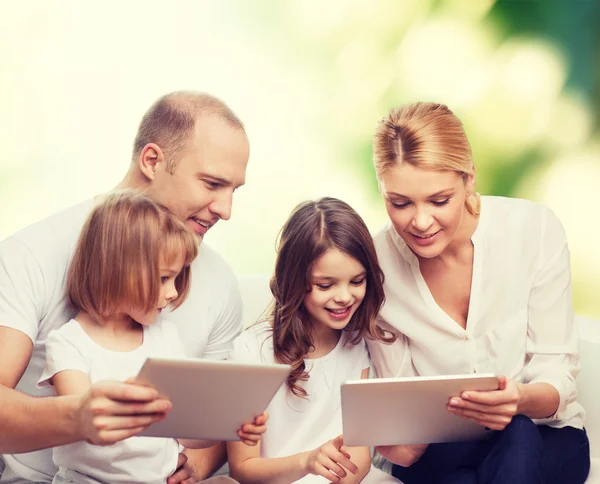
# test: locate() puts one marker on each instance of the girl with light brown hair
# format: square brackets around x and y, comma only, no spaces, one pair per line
[327,290]
[132,261]
[476,284]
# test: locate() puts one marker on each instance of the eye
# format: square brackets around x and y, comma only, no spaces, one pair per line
[212,185]
[324,287]
[164,279]
[439,203]
[358,282]
[400,205]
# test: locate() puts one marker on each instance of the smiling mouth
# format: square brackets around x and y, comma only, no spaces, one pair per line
[202,222]
[425,237]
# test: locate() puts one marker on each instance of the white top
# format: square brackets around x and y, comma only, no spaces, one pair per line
[134,460]
[33,267]
[520,321]
[296,424]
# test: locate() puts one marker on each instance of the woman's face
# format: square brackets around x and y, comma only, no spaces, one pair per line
[426,207]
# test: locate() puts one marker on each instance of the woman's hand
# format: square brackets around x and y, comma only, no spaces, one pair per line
[331,461]
[404,455]
[492,409]
[250,433]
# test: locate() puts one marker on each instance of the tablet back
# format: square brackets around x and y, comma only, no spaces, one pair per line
[389,411]
[211,399]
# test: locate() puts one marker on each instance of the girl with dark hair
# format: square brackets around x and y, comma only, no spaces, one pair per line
[327,289]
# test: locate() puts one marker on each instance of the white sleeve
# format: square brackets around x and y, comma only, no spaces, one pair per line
[552,338]
[22,292]
[247,347]
[393,359]
[227,325]
[63,352]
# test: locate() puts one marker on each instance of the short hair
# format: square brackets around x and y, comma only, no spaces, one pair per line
[116,265]
[425,135]
[312,229]
[170,121]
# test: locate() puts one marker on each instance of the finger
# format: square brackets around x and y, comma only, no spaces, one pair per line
[109,437]
[321,470]
[254,429]
[494,397]
[123,391]
[502,409]
[341,459]
[104,406]
[249,437]
[181,459]
[332,466]
[182,473]
[261,419]
[502,382]
[484,417]
[112,423]
[338,442]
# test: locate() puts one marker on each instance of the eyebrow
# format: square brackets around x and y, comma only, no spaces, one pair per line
[445,191]
[217,179]
[329,278]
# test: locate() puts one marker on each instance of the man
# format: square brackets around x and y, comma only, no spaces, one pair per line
[190,154]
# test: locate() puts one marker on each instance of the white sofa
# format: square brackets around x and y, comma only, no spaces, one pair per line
[256,297]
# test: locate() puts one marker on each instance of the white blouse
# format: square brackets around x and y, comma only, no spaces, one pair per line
[520,320]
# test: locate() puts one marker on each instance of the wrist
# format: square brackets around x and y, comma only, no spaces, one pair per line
[303,458]
[523,397]
[70,406]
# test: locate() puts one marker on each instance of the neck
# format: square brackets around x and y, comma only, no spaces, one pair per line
[325,340]
[116,325]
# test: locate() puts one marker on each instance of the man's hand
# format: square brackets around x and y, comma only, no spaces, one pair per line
[492,409]
[112,411]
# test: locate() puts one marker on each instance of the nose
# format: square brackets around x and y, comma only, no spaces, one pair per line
[342,296]
[422,220]
[221,206]
[171,292]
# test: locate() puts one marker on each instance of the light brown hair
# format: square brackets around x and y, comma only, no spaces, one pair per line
[425,135]
[313,228]
[170,121]
[116,265]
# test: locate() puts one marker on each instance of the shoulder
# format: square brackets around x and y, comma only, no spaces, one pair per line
[254,344]
[527,221]
[210,265]
[51,239]
[69,334]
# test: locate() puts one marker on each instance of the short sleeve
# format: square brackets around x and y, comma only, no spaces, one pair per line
[22,293]
[391,360]
[227,325]
[63,352]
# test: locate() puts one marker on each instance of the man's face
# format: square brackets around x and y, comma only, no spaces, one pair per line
[212,165]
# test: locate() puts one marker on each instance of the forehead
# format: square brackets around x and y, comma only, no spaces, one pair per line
[216,148]
[411,181]
[336,264]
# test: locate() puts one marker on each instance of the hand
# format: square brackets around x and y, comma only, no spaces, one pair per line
[250,433]
[111,411]
[331,461]
[492,409]
[184,473]
[403,455]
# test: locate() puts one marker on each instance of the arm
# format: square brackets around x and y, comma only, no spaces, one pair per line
[332,461]
[552,345]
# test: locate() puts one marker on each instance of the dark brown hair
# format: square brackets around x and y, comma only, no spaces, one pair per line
[116,265]
[170,121]
[313,228]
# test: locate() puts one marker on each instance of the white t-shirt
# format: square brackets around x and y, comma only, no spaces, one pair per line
[298,424]
[137,459]
[33,267]
[520,321]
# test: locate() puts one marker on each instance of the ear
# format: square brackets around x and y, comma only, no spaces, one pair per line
[470,181]
[150,159]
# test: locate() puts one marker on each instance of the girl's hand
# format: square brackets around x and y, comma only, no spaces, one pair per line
[492,409]
[250,433]
[331,461]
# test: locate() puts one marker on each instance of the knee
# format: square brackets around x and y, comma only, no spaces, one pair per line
[522,430]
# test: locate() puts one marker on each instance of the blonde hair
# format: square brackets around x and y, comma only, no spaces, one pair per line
[116,265]
[425,135]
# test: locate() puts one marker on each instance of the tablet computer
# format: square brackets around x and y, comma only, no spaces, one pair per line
[390,411]
[211,399]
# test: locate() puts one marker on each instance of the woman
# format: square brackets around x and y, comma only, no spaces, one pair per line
[476,284]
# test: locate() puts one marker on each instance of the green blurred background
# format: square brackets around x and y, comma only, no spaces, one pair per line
[310,79]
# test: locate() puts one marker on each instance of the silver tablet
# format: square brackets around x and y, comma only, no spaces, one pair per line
[389,411]
[211,399]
